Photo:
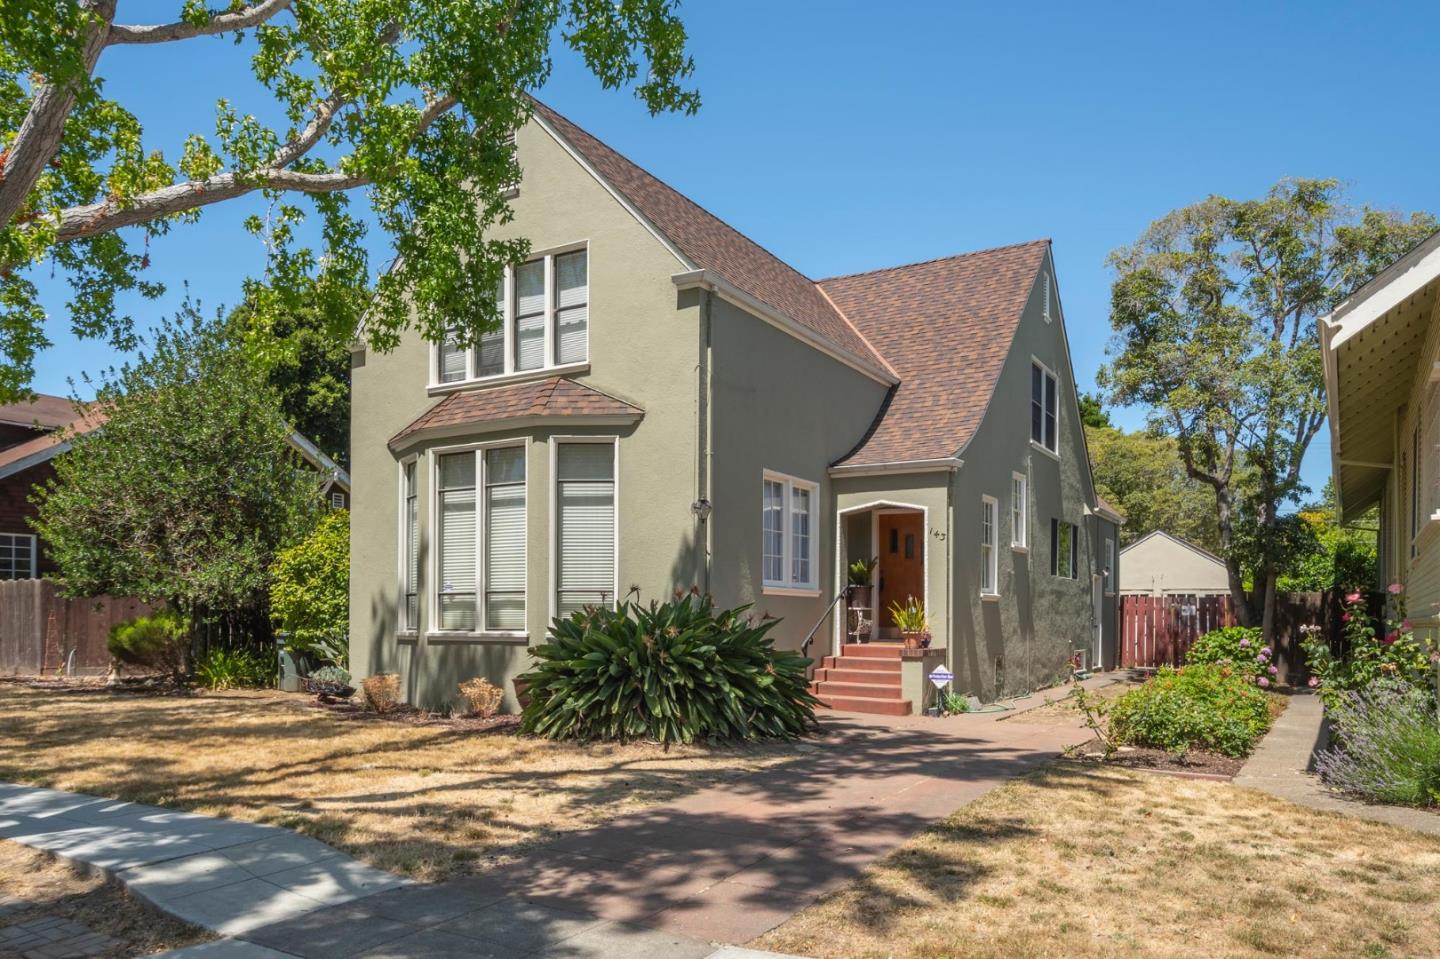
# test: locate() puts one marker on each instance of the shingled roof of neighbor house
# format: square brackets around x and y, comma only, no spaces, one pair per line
[553,396]
[44,412]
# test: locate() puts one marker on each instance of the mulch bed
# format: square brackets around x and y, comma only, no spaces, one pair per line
[1195,763]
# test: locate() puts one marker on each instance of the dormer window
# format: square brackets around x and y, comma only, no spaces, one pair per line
[545,320]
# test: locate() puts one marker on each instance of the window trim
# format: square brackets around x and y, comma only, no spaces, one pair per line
[788,586]
[990,565]
[1020,543]
[552,592]
[509,372]
[34,554]
[432,592]
[1045,369]
[403,627]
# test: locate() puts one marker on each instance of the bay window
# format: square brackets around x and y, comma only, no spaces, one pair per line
[543,305]
[480,540]
[584,525]
[787,525]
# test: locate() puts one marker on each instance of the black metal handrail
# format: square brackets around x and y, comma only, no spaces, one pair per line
[805,646]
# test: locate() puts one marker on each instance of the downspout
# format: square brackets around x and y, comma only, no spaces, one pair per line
[704,427]
[950,571]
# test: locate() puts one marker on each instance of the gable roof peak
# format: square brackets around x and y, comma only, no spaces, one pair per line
[1005,248]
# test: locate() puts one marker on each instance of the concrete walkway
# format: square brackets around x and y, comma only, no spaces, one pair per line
[722,865]
[225,876]
[1281,766]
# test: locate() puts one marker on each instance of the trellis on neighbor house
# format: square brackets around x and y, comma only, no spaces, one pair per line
[1159,630]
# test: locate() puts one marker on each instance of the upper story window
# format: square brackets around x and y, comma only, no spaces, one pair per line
[1109,566]
[787,524]
[1044,394]
[545,319]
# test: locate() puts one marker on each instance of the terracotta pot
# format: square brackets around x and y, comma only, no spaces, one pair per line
[522,691]
[860,597]
[912,640]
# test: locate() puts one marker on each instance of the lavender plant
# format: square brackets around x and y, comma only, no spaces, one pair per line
[1387,744]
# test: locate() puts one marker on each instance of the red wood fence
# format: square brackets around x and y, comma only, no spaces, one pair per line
[40,630]
[1159,630]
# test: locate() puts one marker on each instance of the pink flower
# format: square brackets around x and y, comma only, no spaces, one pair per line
[1345,617]
[1265,651]
[1352,597]
[1244,643]
[1314,682]
[1273,671]
[1407,627]
[1390,638]
[1264,683]
[1394,589]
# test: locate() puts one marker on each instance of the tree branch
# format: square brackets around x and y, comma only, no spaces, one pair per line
[241,19]
[38,139]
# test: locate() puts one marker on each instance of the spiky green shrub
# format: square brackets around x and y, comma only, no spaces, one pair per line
[160,641]
[672,672]
[237,668]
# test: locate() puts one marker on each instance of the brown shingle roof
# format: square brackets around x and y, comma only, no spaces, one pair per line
[555,396]
[712,244]
[49,443]
[46,412]
[946,327]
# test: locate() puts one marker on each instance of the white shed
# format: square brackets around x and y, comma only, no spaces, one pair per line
[1157,564]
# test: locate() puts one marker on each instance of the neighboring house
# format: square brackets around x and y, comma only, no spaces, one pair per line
[668,405]
[1158,564]
[1381,350]
[33,434]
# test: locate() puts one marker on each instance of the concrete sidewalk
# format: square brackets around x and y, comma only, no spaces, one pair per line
[1281,766]
[724,865]
[219,874]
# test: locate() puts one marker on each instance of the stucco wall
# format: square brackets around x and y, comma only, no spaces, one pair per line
[781,405]
[1024,638]
[1158,565]
[643,347]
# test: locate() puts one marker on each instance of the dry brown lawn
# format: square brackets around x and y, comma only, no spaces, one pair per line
[1080,861]
[429,802]
[49,888]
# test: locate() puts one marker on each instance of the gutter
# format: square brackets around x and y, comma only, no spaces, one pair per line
[713,282]
[942,465]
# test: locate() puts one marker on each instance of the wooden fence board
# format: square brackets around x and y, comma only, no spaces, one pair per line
[40,629]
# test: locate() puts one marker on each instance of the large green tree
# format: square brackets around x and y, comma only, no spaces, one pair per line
[1143,476]
[189,487]
[1214,310]
[411,103]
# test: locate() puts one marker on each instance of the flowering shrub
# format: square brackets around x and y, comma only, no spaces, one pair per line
[1387,744]
[1391,653]
[1206,706]
[1238,647]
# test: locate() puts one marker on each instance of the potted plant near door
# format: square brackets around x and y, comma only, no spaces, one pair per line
[910,620]
[860,573]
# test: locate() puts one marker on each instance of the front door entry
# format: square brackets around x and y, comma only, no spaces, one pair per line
[902,561]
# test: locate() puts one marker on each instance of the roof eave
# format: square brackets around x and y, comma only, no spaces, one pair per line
[714,282]
[34,459]
[943,464]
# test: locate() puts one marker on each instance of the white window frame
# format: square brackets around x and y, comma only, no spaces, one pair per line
[404,626]
[547,368]
[789,586]
[1019,512]
[34,552]
[1109,571]
[1070,570]
[990,551]
[432,567]
[1044,410]
[554,479]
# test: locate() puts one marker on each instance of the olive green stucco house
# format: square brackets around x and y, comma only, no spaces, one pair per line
[668,405]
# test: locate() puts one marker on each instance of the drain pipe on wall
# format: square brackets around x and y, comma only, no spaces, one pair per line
[704,465]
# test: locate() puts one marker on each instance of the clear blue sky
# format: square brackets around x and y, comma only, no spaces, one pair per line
[848,136]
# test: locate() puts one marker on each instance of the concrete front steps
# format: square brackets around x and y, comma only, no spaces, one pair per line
[864,678]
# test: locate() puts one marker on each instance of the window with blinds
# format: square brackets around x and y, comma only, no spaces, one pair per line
[410,550]
[544,307]
[505,539]
[481,549]
[585,526]
[17,556]
[787,523]
[989,558]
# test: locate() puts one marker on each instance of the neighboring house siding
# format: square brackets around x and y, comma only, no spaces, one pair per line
[16,510]
[1157,565]
[780,405]
[643,348]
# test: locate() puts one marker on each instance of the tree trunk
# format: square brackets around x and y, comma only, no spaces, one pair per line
[1267,621]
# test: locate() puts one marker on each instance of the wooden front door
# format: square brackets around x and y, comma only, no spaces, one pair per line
[902,561]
